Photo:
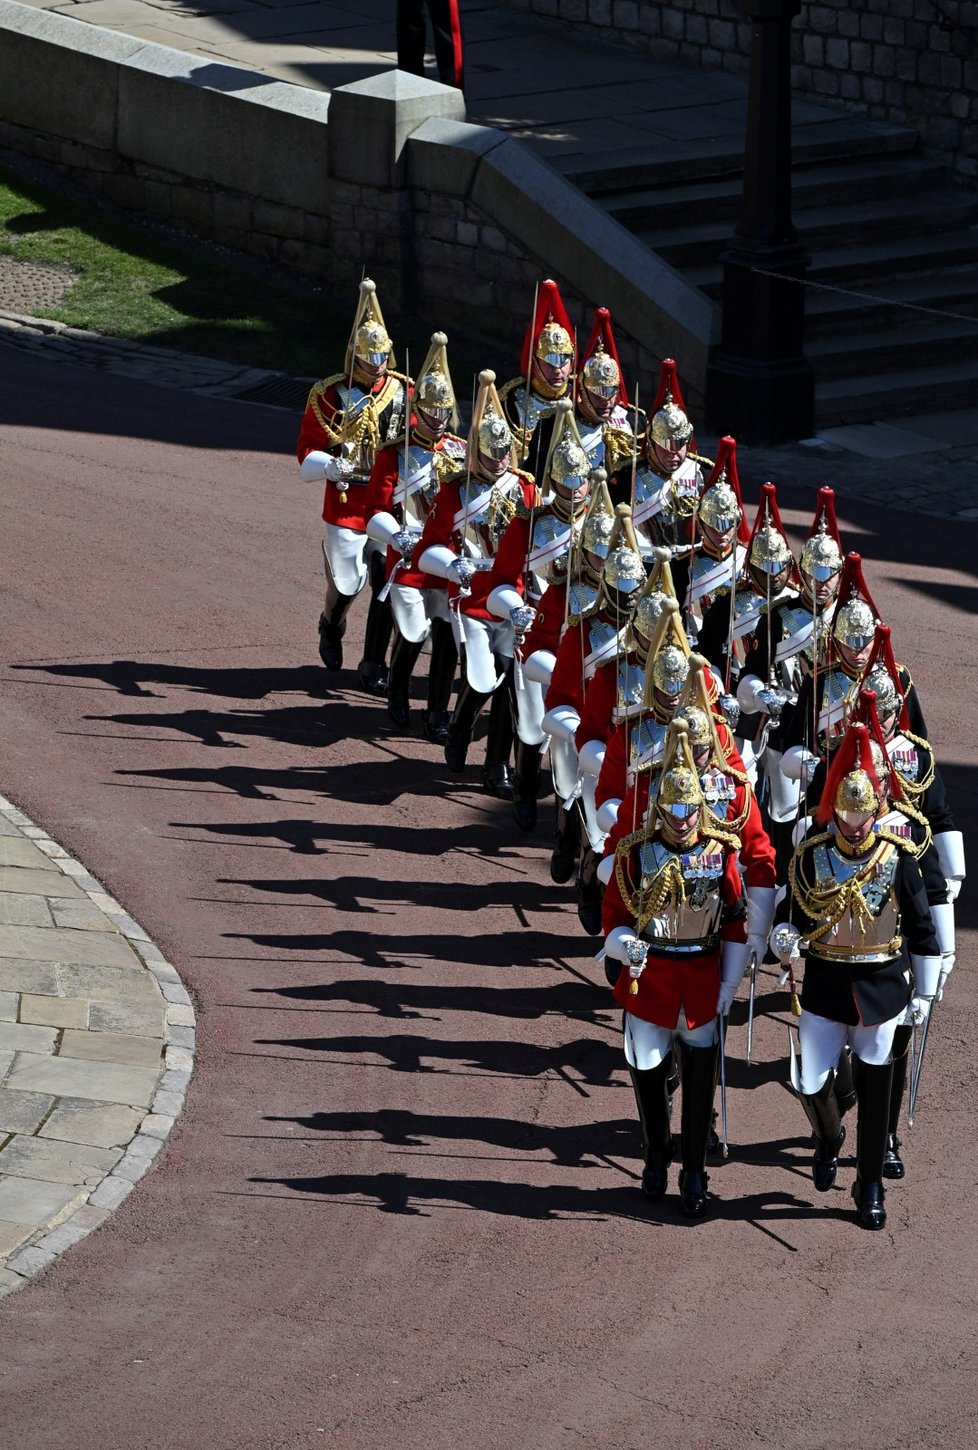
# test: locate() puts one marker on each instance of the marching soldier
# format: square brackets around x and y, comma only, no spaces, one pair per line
[459,541]
[731,624]
[610,428]
[671,475]
[720,536]
[403,487]
[673,917]
[546,376]
[792,643]
[533,554]
[857,904]
[348,418]
[588,643]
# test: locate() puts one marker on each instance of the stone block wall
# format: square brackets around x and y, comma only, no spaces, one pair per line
[909,62]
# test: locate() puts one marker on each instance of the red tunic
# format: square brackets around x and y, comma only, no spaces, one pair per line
[672,985]
[756,855]
[600,699]
[440,529]
[381,494]
[545,630]
[314,436]
[613,780]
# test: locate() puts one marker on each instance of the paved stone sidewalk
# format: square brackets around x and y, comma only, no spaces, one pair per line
[97,1037]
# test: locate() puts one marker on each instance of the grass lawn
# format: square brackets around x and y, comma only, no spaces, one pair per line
[137,283]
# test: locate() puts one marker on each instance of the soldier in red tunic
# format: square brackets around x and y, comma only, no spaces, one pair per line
[673,917]
[403,488]
[458,544]
[348,418]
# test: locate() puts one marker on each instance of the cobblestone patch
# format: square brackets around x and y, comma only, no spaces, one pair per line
[97,1037]
[31,287]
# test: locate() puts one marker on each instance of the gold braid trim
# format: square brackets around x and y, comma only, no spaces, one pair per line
[365,429]
[667,888]
[917,849]
[827,905]
[915,788]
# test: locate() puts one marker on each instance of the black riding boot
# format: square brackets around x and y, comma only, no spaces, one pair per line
[499,742]
[893,1165]
[441,677]
[526,783]
[822,1111]
[589,893]
[873,1091]
[845,1088]
[652,1097]
[404,657]
[459,735]
[332,627]
[372,669]
[699,1072]
[567,842]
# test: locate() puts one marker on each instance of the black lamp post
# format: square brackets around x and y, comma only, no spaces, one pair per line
[760,385]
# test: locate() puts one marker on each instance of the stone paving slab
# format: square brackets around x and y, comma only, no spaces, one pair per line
[97,1036]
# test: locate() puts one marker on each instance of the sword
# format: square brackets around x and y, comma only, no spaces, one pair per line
[750,1007]
[917,1067]
[723,1087]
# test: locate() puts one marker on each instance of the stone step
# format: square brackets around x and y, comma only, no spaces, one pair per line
[655,164]
[722,197]
[886,303]
[920,344]
[897,394]
[823,229]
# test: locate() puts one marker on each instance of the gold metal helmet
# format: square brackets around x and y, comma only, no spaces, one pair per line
[698,726]
[680,792]
[720,507]
[880,681]
[624,572]
[670,670]
[856,792]
[769,550]
[489,432]
[433,391]
[670,424]
[601,374]
[880,762]
[369,338]
[567,462]
[658,588]
[554,343]
[821,557]
[855,624]
[600,521]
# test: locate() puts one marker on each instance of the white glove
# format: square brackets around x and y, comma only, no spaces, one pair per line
[797,763]
[947,967]
[461,572]
[919,1010]
[337,470]
[728,991]
[757,946]
[953,888]
[637,952]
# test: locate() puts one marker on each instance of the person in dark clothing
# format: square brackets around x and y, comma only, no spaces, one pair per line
[446,27]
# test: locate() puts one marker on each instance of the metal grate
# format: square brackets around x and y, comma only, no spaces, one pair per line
[278,393]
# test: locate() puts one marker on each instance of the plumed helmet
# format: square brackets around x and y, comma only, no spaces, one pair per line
[670,670]
[489,432]
[698,726]
[369,338]
[669,423]
[495,437]
[859,790]
[720,506]
[854,624]
[433,391]
[372,342]
[602,375]
[647,611]
[554,342]
[821,557]
[880,681]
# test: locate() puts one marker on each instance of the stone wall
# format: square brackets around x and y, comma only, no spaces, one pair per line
[912,62]
[455,222]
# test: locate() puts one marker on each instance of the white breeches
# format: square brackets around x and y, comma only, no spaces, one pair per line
[482,640]
[529,709]
[646,1045]
[822,1042]
[563,767]
[784,796]
[345,553]
[595,835]
[414,609]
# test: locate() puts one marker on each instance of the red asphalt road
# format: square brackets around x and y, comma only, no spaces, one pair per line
[401,1207]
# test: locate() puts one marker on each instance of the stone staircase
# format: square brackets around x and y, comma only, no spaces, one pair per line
[878,216]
